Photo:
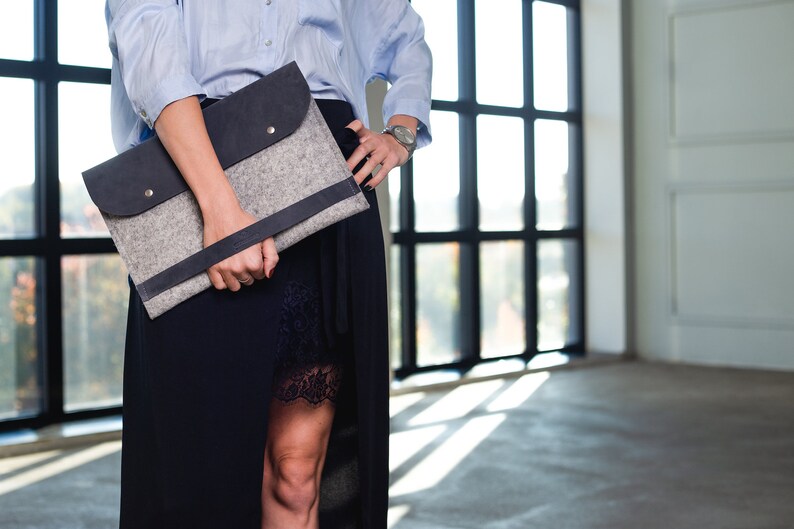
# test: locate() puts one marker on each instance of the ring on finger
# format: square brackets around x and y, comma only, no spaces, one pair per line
[248,281]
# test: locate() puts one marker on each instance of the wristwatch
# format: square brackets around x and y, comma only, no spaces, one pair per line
[404,137]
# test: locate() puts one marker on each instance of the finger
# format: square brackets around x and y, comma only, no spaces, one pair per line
[271,259]
[231,282]
[356,125]
[254,262]
[367,169]
[216,279]
[381,175]
[368,143]
[270,267]
[259,272]
[361,152]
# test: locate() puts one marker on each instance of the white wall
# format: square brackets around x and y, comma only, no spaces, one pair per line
[713,178]
[604,173]
[376,91]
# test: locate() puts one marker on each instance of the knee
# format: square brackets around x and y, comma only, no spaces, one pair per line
[295,484]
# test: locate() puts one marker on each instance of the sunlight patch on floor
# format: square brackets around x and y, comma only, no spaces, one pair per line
[458,402]
[400,403]
[396,514]
[404,445]
[518,392]
[12,464]
[431,470]
[59,466]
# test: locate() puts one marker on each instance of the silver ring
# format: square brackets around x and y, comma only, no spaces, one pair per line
[247,282]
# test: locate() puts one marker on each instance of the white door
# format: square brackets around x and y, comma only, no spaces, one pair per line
[713,178]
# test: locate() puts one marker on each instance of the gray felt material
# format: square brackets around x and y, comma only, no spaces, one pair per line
[301,164]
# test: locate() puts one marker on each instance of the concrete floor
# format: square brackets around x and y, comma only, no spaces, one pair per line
[623,445]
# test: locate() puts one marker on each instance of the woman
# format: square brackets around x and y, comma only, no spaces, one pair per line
[262,403]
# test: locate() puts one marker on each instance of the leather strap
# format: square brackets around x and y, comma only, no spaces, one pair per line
[238,241]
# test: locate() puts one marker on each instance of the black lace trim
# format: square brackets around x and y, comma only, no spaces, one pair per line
[305,368]
[315,385]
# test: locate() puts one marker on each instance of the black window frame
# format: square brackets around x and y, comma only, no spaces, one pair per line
[469,235]
[47,246]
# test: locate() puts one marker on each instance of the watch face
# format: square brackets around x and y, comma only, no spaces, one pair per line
[404,134]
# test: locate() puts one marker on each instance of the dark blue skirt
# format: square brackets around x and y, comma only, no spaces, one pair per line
[198,382]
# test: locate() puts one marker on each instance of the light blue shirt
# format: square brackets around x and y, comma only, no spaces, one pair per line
[165,50]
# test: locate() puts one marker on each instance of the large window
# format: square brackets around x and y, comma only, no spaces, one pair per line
[487,221]
[63,289]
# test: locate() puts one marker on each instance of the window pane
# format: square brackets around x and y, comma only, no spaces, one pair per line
[499,53]
[95,296]
[553,177]
[19,358]
[84,136]
[82,33]
[395,308]
[441,33]
[16,31]
[558,294]
[437,176]
[502,298]
[438,303]
[500,172]
[18,161]
[550,50]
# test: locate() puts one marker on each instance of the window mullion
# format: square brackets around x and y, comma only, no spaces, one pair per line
[407,263]
[576,159]
[50,330]
[530,209]
[469,267]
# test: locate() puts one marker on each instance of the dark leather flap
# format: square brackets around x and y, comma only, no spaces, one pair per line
[239,125]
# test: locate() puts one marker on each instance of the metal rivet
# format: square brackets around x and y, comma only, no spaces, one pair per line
[271,130]
[148,193]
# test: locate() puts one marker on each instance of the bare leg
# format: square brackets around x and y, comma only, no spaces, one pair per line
[297,443]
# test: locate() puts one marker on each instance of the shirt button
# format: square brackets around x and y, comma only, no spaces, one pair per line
[143,114]
[268,2]
[268,42]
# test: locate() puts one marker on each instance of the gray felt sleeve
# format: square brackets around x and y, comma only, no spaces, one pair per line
[300,165]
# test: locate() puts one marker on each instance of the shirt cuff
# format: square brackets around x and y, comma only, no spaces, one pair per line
[169,90]
[417,108]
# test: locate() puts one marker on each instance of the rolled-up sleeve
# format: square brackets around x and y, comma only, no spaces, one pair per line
[147,38]
[403,58]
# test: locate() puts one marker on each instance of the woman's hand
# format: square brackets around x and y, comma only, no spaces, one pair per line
[183,133]
[382,149]
[256,262]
